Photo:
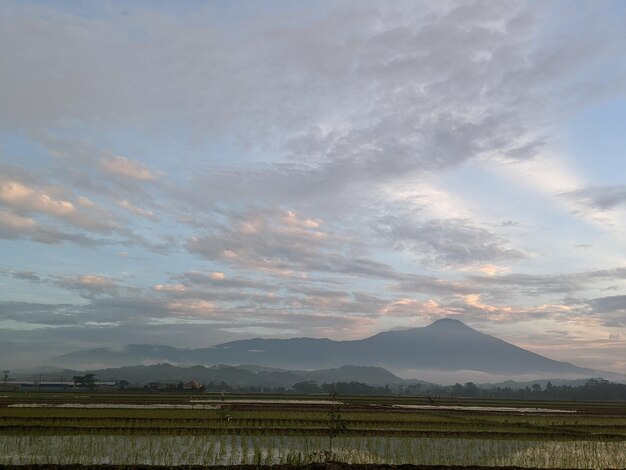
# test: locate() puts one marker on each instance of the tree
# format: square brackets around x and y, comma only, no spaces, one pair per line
[90,381]
[85,381]
[306,387]
[457,390]
[470,390]
[122,384]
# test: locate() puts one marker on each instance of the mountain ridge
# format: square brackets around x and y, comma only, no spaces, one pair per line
[446,345]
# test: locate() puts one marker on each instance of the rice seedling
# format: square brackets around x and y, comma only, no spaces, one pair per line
[257,450]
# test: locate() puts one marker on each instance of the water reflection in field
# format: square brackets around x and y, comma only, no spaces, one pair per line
[230,450]
[498,409]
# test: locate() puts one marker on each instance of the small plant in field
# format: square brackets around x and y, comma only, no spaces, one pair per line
[336,425]
[294,458]
[223,413]
[258,456]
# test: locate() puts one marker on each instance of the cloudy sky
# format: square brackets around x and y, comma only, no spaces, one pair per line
[188,173]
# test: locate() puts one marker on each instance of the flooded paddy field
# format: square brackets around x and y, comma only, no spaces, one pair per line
[299,450]
[230,450]
[184,429]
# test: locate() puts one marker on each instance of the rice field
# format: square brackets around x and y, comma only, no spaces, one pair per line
[262,450]
[172,430]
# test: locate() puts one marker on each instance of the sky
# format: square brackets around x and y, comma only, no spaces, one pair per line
[193,172]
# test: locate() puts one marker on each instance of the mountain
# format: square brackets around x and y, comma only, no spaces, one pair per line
[446,345]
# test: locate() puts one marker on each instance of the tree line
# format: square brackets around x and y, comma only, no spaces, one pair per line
[592,389]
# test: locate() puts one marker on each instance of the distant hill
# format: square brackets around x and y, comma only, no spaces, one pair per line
[446,345]
[241,376]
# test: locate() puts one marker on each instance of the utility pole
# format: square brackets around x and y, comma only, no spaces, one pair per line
[6,376]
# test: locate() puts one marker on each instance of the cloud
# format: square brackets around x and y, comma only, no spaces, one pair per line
[125,168]
[475,309]
[541,284]
[398,88]
[26,276]
[169,288]
[13,227]
[550,175]
[449,242]
[17,227]
[602,198]
[408,307]
[146,214]
[49,213]
[83,214]
[357,304]
[434,286]
[285,244]
[81,165]
[90,286]
[221,281]
[15,194]
[427,92]
[532,284]
[192,307]
[34,315]
[612,304]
